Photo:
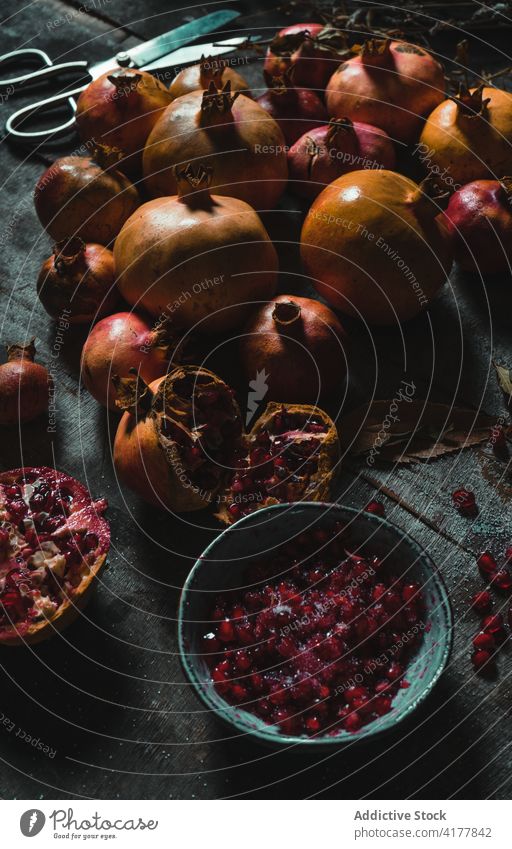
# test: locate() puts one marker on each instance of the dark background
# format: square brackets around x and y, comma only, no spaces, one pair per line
[109,695]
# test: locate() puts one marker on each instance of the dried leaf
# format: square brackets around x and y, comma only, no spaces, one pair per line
[422,430]
[505,381]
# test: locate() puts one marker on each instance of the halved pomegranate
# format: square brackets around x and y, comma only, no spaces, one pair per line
[291,454]
[180,445]
[53,543]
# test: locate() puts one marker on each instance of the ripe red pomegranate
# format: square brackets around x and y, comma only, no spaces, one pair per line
[470,136]
[120,343]
[53,544]
[479,217]
[210,69]
[296,110]
[175,442]
[203,257]
[390,84]
[24,386]
[229,132]
[120,109]
[77,196]
[314,51]
[291,454]
[78,279]
[374,247]
[302,648]
[299,344]
[322,155]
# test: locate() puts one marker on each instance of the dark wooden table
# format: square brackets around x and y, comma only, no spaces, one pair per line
[109,696]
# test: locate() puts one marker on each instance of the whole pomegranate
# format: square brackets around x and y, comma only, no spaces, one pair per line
[325,153]
[390,84]
[313,51]
[296,110]
[374,247]
[205,258]
[78,279]
[174,444]
[24,386]
[210,69]
[120,109]
[299,345]
[230,132]
[479,217]
[54,542]
[120,343]
[469,137]
[79,196]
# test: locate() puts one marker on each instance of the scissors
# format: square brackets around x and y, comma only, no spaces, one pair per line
[150,56]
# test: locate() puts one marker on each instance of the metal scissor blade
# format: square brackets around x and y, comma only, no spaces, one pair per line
[152,50]
[186,55]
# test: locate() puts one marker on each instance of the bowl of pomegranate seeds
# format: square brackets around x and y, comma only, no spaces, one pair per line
[314,624]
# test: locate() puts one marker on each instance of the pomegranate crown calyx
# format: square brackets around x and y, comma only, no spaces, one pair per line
[376,51]
[106,156]
[22,352]
[286,312]
[471,104]
[211,69]
[336,126]
[125,80]
[216,102]
[194,183]
[132,393]
[68,254]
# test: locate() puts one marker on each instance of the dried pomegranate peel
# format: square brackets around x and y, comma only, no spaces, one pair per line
[53,544]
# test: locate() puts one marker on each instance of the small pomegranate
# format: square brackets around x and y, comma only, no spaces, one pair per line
[120,343]
[210,69]
[206,257]
[120,109]
[313,51]
[231,133]
[479,217]
[300,346]
[53,545]
[79,196]
[470,136]
[24,386]
[374,248]
[296,110]
[322,155]
[78,279]
[390,84]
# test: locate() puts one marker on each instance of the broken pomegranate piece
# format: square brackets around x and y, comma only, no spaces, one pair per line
[291,454]
[315,646]
[53,542]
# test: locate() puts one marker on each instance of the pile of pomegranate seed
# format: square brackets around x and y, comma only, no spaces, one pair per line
[322,647]
[464,501]
[492,630]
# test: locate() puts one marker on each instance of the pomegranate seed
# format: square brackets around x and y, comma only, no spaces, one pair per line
[494,625]
[313,724]
[239,693]
[352,722]
[464,501]
[376,507]
[502,580]
[480,659]
[410,591]
[226,632]
[487,564]
[484,640]
[481,602]
[235,511]
[381,705]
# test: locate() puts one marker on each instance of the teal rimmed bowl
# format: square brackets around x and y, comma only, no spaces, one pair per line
[222,565]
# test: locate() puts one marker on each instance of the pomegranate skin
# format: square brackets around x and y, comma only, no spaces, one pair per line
[391,85]
[78,279]
[479,217]
[76,197]
[120,109]
[198,77]
[374,246]
[279,54]
[300,344]
[202,257]
[296,110]
[115,345]
[24,386]
[312,51]
[242,143]
[322,155]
